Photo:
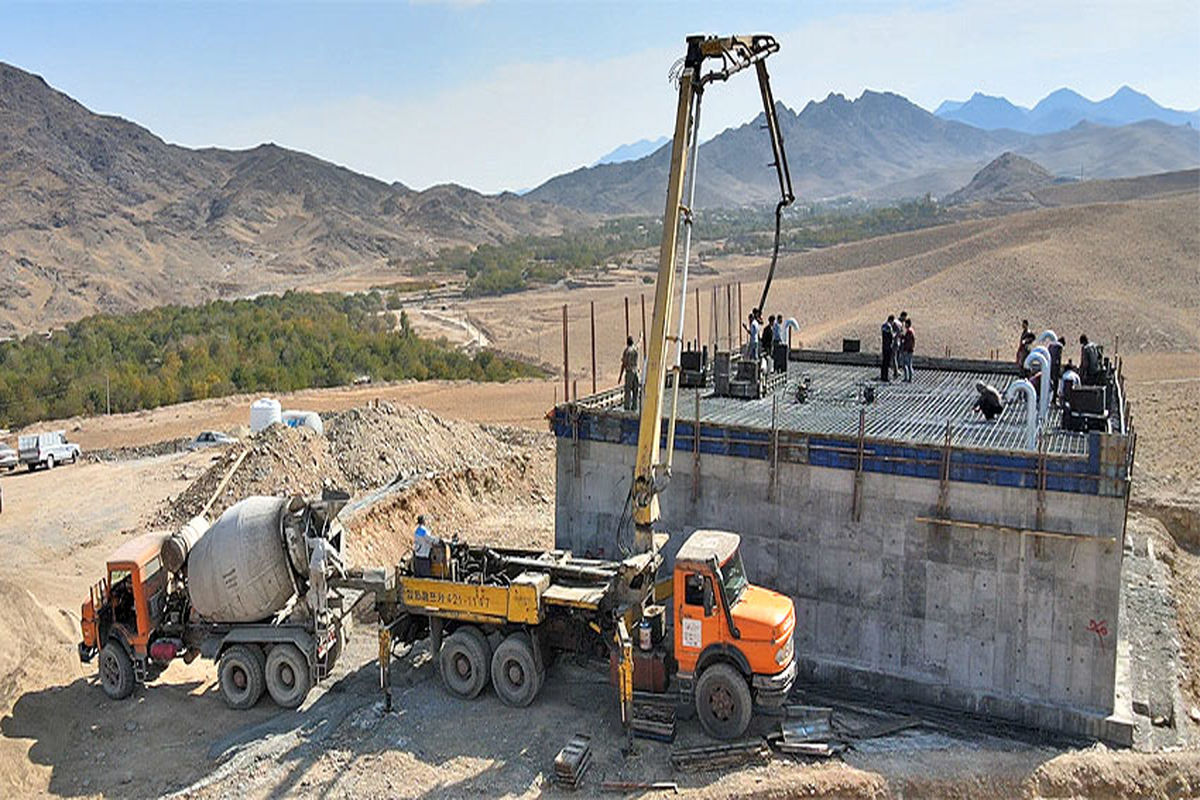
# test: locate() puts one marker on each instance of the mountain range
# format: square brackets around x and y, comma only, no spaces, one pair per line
[1062,109]
[97,213]
[879,146]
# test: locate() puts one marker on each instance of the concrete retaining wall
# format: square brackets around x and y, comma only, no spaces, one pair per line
[985,619]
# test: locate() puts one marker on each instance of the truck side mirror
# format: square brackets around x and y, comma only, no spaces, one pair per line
[709,600]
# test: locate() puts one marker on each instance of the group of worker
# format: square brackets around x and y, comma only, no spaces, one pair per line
[1063,378]
[767,340]
[898,342]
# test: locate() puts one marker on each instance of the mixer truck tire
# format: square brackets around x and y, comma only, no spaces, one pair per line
[723,702]
[288,676]
[240,677]
[116,671]
[515,675]
[463,663]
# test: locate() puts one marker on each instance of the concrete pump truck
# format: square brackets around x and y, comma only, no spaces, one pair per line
[498,615]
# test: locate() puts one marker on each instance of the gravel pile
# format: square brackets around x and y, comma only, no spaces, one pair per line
[378,444]
[281,461]
[362,449]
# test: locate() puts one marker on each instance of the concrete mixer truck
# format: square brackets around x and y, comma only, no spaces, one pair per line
[253,591]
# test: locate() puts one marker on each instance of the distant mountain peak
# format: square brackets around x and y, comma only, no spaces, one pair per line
[1063,109]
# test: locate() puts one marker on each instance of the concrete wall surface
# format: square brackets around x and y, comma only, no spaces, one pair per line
[987,619]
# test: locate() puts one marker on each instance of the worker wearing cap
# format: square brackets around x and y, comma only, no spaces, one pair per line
[423,542]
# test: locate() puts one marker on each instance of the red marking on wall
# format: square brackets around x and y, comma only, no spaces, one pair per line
[1099,628]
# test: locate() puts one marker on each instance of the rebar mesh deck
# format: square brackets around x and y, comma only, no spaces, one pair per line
[914,412]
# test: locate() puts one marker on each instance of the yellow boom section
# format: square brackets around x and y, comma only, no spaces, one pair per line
[734,54]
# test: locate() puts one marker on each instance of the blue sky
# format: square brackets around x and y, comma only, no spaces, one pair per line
[497,95]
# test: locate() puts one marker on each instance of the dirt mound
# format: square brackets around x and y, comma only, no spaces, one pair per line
[278,461]
[380,443]
[365,449]
[1101,773]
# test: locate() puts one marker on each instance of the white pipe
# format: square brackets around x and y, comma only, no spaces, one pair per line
[1041,357]
[1047,335]
[1023,386]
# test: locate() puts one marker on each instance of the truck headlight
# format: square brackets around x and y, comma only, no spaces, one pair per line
[784,654]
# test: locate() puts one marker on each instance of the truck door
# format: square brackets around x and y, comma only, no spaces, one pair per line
[699,619]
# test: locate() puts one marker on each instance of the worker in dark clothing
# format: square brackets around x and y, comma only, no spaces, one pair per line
[887,332]
[988,403]
[1026,343]
[767,344]
[1055,347]
[629,372]
[1089,361]
[907,345]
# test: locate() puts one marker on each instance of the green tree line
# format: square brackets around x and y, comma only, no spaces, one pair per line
[272,343]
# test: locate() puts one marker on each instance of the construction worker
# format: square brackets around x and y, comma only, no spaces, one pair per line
[1089,361]
[907,345]
[768,340]
[1056,348]
[989,402]
[1070,379]
[755,331]
[423,542]
[887,333]
[897,340]
[629,371]
[1025,344]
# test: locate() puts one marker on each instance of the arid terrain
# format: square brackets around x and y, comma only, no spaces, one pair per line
[60,736]
[1120,262]
[1126,268]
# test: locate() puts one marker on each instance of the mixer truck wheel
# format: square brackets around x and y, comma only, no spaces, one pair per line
[723,702]
[240,676]
[463,663]
[515,675]
[116,671]
[288,676]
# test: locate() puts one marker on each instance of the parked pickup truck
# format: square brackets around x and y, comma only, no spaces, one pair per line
[46,449]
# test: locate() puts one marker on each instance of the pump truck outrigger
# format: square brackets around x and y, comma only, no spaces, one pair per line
[500,615]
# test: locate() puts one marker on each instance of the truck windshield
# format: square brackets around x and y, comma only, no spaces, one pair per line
[733,578]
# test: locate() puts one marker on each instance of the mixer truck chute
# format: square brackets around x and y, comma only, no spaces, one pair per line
[257,591]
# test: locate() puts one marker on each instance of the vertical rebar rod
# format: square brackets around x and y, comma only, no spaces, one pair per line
[566,359]
[592,311]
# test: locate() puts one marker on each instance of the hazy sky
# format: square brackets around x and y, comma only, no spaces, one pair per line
[502,95]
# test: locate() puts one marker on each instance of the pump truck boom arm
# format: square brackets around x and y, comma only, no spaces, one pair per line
[734,53]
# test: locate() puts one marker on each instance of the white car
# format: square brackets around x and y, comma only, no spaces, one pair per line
[46,450]
[211,439]
[8,458]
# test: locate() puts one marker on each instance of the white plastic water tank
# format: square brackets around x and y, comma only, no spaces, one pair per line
[304,419]
[264,412]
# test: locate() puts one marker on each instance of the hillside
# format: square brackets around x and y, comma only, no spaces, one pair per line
[879,146]
[99,214]
[1009,178]
[1115,258]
